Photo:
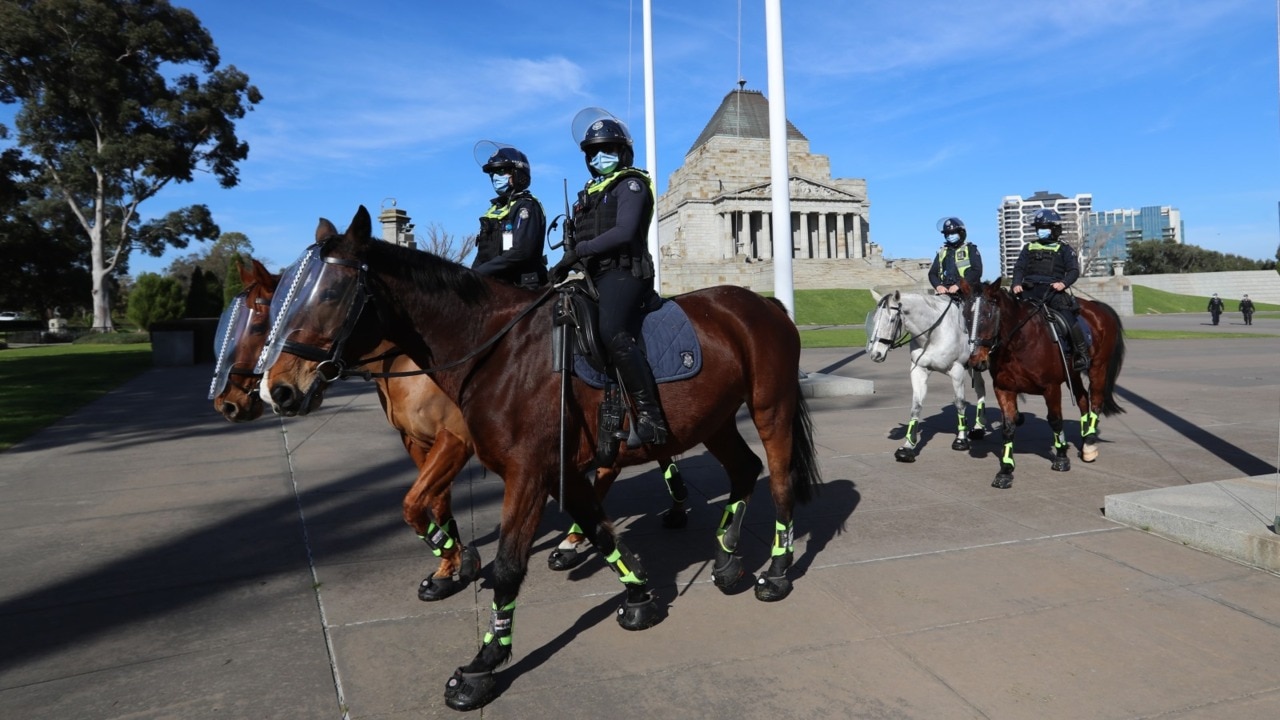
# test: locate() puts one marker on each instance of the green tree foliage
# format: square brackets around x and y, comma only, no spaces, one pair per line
[214,259]
[233,285]
[118,99]
[155,299]
[1155,257]
[204,296]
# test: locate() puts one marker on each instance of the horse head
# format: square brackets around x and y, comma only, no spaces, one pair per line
[242,331]
[884,326]
[982,316]
[319,327]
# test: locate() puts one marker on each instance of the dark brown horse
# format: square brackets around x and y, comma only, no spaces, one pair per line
[1013,337]
[430,425]
[490,347]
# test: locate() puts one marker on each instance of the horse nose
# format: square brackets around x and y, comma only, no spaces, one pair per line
[228,410]
[284,397]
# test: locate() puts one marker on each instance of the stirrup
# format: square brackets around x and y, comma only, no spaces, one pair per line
[651,429]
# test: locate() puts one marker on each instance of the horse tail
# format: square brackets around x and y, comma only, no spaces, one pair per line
[1114,363]
[805,476]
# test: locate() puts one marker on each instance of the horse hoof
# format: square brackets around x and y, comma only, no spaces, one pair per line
[438,588]
[1003,481]
[727,576]
[977,433]
[468,691]
[562,559]
[906,455]
[1089,452]
[675,519]
[960,444]
[772,589]
[1061,464]
[469,564]
[639,615]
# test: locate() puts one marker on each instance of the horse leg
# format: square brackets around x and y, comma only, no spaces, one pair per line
[573,550]
[638,611]
[919,388]
[1008,421]
[743,468]
[473,684]
[979,429]
[1090,403]
[957,374]
[427,509]
[1053,402]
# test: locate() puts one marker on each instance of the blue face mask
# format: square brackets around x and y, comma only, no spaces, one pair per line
[604,163]
[1044,233]
[501,183]
[951,239]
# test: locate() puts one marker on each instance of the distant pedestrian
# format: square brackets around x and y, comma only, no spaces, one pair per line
[1215,307]
[1246,309]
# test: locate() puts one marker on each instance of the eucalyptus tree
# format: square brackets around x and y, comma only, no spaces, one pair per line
[119,98]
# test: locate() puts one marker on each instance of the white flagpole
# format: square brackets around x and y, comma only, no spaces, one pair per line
[651,143]
[780,179]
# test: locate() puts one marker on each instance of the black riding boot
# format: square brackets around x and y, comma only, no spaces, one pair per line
[637,380]
[1079,351]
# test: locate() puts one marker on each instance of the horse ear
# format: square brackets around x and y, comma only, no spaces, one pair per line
[998,282]
[325,229]
[264,276]
[897,296]
[361,227]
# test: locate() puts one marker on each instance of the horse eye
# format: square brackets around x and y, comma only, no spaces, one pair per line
[258,328]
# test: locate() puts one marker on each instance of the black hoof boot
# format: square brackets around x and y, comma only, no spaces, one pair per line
[468,691]
[727,575]
[562,559]
[905,454]
[978,433]
[1061,463]
[772,589]
[438,588]
[639,614]
[960,444]
[675,519]
[1003,481]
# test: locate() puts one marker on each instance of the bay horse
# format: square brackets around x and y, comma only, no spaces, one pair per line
[489,347]
[934,327]
[431,427]
[1014,339]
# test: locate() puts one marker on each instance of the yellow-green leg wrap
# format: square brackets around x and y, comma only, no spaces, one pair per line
[913,437]
[500,623]
[1059,441]
[626,565]
[783,538]
[1088,424]
[1007,458]
[440,538]
[730,530]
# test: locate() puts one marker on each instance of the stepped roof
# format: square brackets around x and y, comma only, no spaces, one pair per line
[743,114]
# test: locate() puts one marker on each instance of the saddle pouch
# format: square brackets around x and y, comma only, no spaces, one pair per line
[609,425]
[580,311]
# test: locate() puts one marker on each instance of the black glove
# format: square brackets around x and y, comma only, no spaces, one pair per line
[566,264]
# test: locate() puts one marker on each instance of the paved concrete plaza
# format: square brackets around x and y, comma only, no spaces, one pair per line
[159,562]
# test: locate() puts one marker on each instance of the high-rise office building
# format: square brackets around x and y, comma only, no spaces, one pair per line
[1108,234]
[1014,222]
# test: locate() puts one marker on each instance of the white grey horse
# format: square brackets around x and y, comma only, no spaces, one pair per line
[934,327]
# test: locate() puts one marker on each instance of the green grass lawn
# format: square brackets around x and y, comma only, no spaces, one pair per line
[40,385]
[1149,301]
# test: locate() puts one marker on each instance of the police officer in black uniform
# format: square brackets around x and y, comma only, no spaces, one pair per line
[957,260]
[1045,269]
[509,245]
[610,233]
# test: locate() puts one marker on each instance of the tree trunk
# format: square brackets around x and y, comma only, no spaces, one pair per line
[101,291]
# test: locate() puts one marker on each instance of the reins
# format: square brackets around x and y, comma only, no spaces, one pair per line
[369,375]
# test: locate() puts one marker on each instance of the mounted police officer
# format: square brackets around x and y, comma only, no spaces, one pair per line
[957,260]
[610,238]
[1046,267]
[509,245]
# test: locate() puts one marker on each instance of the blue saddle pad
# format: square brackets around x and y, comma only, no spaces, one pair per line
[669,342]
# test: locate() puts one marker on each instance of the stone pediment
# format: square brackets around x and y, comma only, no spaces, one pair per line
[801,189]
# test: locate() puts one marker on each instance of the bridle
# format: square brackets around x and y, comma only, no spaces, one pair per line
[899,332]
[981,312]
[329,363]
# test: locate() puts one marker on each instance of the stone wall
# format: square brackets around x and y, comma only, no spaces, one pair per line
[1260,285]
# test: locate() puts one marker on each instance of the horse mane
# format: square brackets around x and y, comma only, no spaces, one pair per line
[429,273]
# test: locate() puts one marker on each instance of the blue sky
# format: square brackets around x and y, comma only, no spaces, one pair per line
[943,107]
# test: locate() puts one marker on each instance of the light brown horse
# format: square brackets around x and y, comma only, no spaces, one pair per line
[490,349]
